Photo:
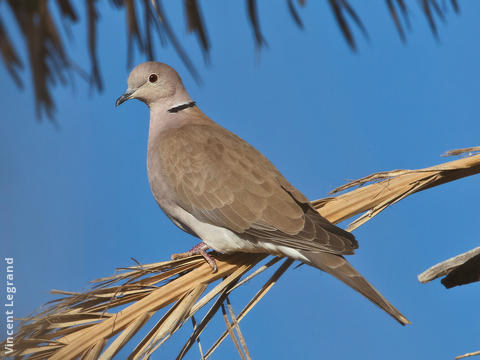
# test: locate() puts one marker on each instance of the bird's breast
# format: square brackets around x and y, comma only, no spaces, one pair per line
[160,188]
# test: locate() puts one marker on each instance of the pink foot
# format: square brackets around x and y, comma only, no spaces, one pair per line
[199,249]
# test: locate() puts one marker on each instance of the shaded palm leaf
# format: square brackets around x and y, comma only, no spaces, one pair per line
[50,63]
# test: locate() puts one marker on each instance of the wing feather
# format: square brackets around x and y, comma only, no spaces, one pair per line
[222,180]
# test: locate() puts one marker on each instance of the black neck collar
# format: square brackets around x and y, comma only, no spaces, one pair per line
[178,108]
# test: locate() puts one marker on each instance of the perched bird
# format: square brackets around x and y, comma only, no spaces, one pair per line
[217,187]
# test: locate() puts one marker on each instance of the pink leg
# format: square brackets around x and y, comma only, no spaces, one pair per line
[199,249]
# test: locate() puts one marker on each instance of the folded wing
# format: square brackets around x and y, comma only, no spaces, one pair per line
[223,181]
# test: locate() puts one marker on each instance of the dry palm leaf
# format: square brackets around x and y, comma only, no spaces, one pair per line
[463,268]
[476,353]
[100,322]
[469,150]
[50,61]
[459,270]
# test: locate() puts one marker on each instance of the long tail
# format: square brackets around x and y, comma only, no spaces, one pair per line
[342,270]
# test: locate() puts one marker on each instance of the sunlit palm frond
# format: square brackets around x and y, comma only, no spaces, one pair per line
[99,322]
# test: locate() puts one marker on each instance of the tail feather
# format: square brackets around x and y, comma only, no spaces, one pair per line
[337,266]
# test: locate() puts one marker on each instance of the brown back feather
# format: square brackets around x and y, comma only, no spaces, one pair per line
[224,181]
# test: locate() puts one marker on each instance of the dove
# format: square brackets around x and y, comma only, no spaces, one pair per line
[220,189]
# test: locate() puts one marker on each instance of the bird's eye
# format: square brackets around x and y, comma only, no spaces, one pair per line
[153,78]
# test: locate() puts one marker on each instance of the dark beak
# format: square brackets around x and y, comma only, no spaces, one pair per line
[127,96]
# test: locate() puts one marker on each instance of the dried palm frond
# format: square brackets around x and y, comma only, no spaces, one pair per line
[100,322]
[458,270]
[392,187]
[340,8]
[196,24]
[49,58]
[469,151]
[461,269]
[476,353]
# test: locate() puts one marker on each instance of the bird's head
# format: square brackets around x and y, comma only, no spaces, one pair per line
[154,82]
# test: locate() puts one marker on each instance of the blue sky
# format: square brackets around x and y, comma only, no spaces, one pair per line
[76,201]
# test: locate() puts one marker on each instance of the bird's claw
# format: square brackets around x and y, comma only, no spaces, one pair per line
[199,249]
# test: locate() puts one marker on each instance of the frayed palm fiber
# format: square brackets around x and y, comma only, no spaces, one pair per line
[100,322]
